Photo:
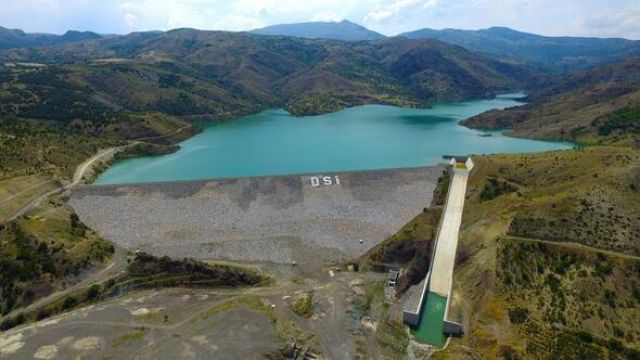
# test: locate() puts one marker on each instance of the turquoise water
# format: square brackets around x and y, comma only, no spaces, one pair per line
[365,137]
[430,328]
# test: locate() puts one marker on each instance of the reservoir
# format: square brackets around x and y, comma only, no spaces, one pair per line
[274,142]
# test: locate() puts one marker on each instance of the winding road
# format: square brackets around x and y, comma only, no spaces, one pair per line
[85,167]
[79,174]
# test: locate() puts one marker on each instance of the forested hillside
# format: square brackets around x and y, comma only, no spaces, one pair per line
[189,72]
[560,54]
[597,106]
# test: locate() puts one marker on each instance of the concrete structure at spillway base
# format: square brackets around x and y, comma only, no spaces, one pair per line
[429,319]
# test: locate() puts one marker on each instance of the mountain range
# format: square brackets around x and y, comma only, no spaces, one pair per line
[559,54]
[13,38]
[187,72]
[190,72]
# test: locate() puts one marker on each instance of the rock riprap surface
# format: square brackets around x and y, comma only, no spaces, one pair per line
[303,218]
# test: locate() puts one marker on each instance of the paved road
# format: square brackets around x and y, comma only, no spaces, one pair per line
[447,241]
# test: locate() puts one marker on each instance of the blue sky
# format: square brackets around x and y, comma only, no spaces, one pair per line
[602,18]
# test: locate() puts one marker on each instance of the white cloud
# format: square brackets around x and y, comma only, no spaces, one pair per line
[264,7]
[327,16]
[236,23]
[624,22]
[396,7]
[228,15]
[130,19]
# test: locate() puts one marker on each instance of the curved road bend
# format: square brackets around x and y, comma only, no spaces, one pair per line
[80,172]
[82,169]
[118,262]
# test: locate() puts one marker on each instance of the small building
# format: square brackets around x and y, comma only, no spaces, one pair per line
[392,278]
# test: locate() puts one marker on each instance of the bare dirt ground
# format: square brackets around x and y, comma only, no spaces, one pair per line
[247,323]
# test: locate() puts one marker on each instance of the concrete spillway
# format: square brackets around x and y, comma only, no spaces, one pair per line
[447,241]
[429,319]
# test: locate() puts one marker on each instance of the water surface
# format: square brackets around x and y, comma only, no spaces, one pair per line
[365,137]
[431,326]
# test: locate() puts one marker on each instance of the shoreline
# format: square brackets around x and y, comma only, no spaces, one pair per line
[431,158]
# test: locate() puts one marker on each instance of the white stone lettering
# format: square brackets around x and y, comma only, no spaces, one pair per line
[317,181]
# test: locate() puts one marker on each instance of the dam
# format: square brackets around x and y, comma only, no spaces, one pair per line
[312,219]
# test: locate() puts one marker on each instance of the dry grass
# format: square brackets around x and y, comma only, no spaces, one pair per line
[17,192]
[547,184]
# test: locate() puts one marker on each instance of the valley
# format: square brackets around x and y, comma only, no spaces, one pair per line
[192,194]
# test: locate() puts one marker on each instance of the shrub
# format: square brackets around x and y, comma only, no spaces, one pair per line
[43,313]
[624,120]
[69,302]
[494,188]
[603,269]
[610,298]
[615,345]
[93,292]
[303,305]
[518,315]
[585,337]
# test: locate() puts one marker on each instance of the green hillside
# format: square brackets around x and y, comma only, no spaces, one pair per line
[39,255]
[210,72]
[551,267]
[596,106]
[557,54]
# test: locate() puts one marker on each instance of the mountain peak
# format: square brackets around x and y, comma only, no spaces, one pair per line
[503,29]
[344,30]
[74,35]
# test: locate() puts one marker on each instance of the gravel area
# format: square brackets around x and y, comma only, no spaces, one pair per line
[280,219]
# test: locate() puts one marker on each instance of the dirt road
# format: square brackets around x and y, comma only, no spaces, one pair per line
[78,176]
